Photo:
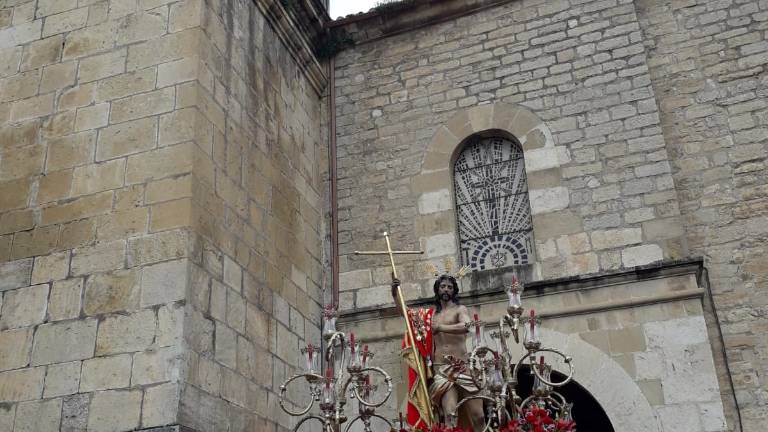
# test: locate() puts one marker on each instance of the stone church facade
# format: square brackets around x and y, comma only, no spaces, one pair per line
[168,233]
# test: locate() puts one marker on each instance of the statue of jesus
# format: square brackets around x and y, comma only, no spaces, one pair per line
[443,337]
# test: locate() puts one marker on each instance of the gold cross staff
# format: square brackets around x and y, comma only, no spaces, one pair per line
[420,370]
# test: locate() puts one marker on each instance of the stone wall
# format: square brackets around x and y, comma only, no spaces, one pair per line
[569,80]
[708,67]
[157,160]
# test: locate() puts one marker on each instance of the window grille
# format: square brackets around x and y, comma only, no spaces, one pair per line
[492,208]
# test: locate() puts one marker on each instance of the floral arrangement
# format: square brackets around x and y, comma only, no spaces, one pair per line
[537,419]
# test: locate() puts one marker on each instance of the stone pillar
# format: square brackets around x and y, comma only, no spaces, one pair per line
[160,219]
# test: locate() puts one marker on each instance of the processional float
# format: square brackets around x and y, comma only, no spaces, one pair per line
[341,370]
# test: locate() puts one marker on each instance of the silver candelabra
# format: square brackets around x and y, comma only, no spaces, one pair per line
[347,374]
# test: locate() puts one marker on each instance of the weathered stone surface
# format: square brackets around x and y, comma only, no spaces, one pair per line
[103,417]
[62,379]
[24,307]
[98,258]
[50,267]
[157,247]
[38,416]
[606,239]
[74,413]
[112,292]
[104,373]
[22,384]
[160,405]
[164,283]
[128,333]
[65,299]
[641,255]
[64,341]
[14,348]
[15,274]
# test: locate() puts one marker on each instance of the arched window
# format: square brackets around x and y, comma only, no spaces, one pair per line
[492,208]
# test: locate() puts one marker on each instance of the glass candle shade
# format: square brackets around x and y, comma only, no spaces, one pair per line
[479,330]
[540,388]
[355,354]
[515,302]
[311,355]
[328,395]
[531,337]
[329,326]
[496,380]
[364,356]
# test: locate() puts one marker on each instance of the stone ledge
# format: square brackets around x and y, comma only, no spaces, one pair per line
[492,283]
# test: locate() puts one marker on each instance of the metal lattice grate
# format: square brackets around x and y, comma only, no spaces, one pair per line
[494,215]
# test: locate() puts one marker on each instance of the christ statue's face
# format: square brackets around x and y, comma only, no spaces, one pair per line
[446,290]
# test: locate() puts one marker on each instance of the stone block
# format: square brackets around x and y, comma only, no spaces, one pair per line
[79,208]
[20,86]
[15,221]
[160,405]
[102,66]
[92,117]
[22,384]
[33,107]
[627,340]
[236,311]
[127,138]
[555,224]
[65,22]
[178,126]
[143,105]
[439,245]
[121,224]
[157,247]
[14,348]
[641,255]
[106,373]
[24,307]
[169,325]
[165,162]
[7,416]
[435,202]
[185,14]
[257,327]
[70,151]
[117,291]
[171,214]
[23,162]
[549,200]
[64,302]
[15,274]
[74,413]
[21,34]
[606,239]
[104,417]
[200,333]
[50,267]
[100,257]
[177,71]
[662,229]
[226,345]
[169,189]
[355,279]
[126,333]
[98,177]
[14,194]
[712,416]
[164,283]
[652,391]
[141,26]
[120,86]
[648,365]
[38,416]
[163,49]
[582,264]
[218,301]
[156,366]
[679,417]
[62,379]
[64,341]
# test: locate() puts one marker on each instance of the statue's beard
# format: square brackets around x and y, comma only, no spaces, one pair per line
[445,297]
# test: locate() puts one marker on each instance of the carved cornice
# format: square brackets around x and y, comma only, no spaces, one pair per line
[298,27]
[379,23]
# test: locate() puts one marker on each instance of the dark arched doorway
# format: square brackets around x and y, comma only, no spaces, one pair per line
[587,412]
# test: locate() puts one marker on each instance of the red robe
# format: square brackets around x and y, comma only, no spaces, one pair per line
[425,349]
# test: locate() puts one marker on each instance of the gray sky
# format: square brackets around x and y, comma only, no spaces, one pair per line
[340,8]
